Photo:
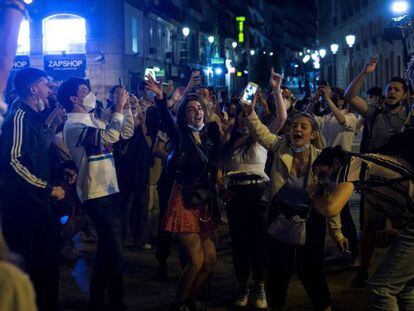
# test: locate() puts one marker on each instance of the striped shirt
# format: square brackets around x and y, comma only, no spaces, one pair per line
[395,199]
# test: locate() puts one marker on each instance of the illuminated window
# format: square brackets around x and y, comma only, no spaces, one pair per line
[23,42]
[134,31]
[64,33]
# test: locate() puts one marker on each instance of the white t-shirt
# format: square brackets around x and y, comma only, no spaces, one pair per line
[337,134]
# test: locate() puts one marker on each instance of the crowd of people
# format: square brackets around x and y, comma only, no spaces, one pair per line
[161,162]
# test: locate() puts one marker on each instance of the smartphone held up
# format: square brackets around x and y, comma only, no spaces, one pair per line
[249,93]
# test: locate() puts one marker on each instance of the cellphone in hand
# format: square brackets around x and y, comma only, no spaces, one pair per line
[323,83]
[249,92]
[196,76]
[120,81]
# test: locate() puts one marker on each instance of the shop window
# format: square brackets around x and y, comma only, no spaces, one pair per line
[64,33]
[23,42]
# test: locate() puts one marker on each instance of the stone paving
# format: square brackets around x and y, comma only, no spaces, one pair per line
[143,292]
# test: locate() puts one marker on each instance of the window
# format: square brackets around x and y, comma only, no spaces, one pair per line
[64,33]
[134,34]
[23,42]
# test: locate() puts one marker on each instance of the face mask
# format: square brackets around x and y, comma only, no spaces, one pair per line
[40,104]
[300,149]
[89,102]
[392,106]
[196,128]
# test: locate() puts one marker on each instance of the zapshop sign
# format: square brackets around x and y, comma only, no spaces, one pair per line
[61,67]
[21,62]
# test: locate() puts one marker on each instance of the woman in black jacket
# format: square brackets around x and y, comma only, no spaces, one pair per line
[193,165]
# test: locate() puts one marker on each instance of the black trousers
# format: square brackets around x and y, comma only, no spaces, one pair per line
[33,232]
[309,262]
[105,212]
[247,217]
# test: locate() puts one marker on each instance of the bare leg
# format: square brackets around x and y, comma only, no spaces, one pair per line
[192,244]
[210,260]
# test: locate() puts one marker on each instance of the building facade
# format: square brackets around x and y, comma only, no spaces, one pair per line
[108,40]
[369,21]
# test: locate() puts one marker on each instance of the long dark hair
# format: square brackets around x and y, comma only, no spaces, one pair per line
[181,114]
[329,155]
[235,135]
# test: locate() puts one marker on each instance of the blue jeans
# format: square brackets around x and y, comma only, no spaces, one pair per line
[391,287]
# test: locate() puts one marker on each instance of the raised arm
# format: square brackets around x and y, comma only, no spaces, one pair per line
[169,124]
[352,91]
[281,112]
[257,129]
[337,113]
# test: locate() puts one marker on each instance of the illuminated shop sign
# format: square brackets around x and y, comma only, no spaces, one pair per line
[21,62]
[240,22]
[61,67]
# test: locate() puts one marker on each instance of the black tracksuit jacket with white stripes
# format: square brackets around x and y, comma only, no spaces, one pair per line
[24,159]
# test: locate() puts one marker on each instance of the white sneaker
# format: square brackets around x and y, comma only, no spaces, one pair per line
[258,298]
[243,300]
[146,246]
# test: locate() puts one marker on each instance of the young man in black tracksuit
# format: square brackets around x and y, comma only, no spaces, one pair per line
[29,226]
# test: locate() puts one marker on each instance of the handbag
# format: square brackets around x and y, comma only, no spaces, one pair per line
[291,231]
[289,226]
[195,195]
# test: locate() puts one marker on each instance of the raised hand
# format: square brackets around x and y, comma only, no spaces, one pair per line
[154,86]
[325,90]
[275,80]
[370,67]
[121,97]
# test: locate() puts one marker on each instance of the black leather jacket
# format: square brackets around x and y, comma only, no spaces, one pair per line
[189,162]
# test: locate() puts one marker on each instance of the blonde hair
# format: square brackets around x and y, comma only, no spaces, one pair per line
[319,141]
[4,250]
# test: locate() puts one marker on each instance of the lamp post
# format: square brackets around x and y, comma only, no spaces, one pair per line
[334,49]
[350,41]
[322,54]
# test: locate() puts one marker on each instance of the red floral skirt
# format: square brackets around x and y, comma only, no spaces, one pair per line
[179,218]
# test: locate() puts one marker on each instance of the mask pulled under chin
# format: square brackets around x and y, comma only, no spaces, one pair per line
[196,128]
[89,102]
[300,149]
[40,105]
[392,106]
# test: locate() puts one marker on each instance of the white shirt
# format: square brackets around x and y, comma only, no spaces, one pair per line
[337,134]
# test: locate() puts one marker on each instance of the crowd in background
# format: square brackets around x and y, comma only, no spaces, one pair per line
[165,162]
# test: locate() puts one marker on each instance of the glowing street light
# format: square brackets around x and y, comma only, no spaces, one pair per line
[271,54]
[350,40]
[252,52]
[234,44]
[306,58]
[28,1]
[264,52]
[334,48]
[211,39]
[314,56]
[186,31]
[300,53]
[322,53]
[400,7]
[218,71]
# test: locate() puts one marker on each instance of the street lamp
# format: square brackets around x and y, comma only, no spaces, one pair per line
[350,40]
[399,7]
[322,53]
[234,44]
[306,58]
[334,49]
[186,31]
[264,52]
[252,52]
[271,54]
[211,39]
